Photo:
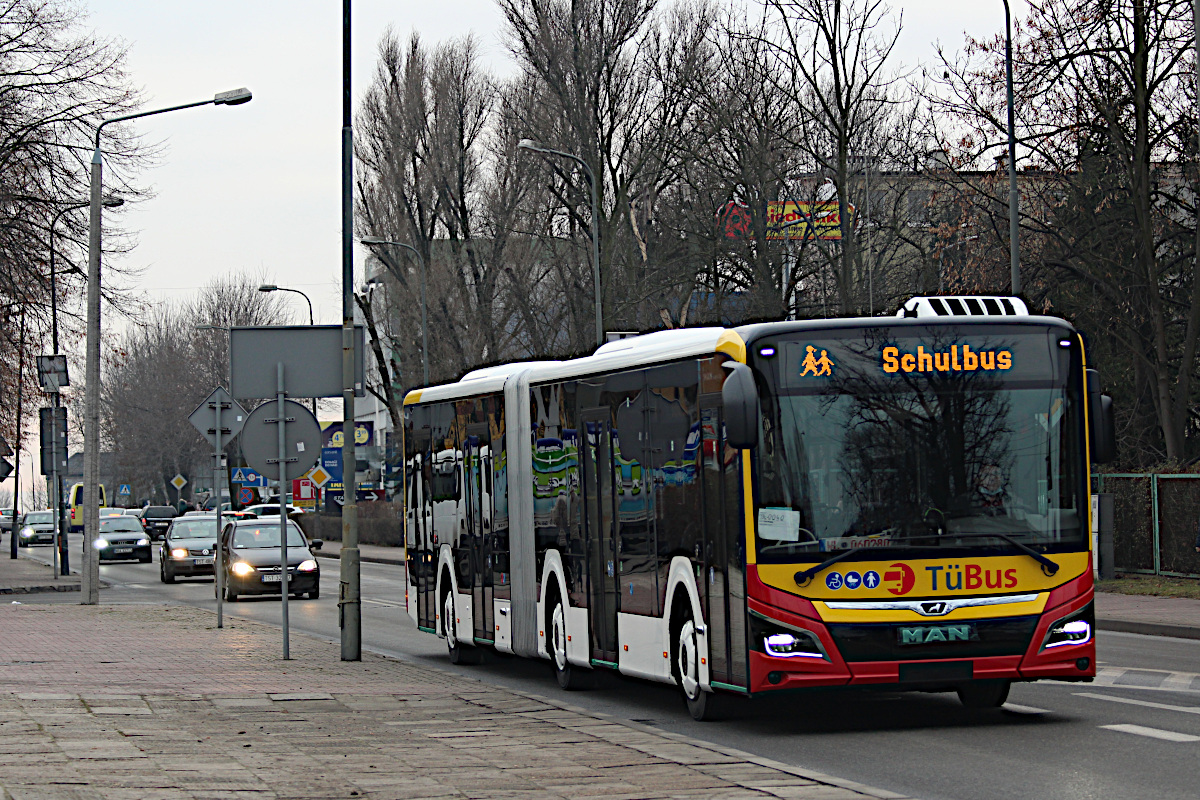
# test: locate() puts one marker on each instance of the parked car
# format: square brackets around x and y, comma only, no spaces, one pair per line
[122,538]
[6,519]
[250,560]
[156,519]
[189,548]
[35,527]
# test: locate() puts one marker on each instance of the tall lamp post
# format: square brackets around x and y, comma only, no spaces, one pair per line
[1014,250]
[270,287]
[60,543]
[377,240]
[91,417]
[535,147]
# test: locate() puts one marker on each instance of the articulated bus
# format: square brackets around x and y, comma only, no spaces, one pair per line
[894,502]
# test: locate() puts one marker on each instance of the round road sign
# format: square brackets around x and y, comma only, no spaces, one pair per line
[302,440]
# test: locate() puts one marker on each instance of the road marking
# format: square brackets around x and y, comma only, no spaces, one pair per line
[1153,733]
[387,603]
[1019,709]
[1146,703]
[1160,680]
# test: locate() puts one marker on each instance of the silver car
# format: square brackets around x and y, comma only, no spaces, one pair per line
[36,527]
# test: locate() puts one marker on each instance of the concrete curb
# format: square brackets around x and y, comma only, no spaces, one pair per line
[74,587]
[397,562]
[1148,628]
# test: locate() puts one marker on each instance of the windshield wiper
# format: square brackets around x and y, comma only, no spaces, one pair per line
[1049,567]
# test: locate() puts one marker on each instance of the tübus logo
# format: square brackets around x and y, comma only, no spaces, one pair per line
[960,358]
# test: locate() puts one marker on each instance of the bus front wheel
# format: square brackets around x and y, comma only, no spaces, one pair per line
[569,678]
[687,672]
[984,694]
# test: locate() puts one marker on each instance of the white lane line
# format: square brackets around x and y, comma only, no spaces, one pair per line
[1153,733]
[1145,703]
[1018,709]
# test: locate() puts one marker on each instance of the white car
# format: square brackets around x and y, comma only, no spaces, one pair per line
[271,510]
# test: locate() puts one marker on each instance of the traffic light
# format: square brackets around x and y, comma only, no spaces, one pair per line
[54,440]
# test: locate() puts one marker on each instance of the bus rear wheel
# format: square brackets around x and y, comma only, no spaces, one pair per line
[459,653]
[984,694]
[687,672]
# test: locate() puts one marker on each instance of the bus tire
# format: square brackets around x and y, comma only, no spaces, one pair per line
[459,653]
[686,666]
[984,694]
[569,678]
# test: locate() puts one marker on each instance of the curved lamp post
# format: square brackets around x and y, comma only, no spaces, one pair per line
[270,287]
[378,240]
[91,417]
[535,147]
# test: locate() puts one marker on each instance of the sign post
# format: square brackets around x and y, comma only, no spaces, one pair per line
[207,419]
[282,435]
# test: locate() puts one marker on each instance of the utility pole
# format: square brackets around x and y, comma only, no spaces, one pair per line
[20,411]
[350,617]
[1014,248]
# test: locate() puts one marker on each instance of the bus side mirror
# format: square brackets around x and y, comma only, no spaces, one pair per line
[740,397]
[1103,428]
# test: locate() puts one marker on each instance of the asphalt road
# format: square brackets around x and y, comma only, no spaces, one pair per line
[1135,735]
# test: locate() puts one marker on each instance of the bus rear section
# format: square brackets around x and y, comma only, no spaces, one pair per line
[921,507]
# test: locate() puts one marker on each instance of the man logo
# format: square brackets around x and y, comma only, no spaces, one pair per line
[935,634]
[935,608]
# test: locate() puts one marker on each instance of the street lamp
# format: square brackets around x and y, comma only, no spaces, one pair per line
[91,418]
[60,543]
[535,147]
[1014,251]
[379,240]
[270,287]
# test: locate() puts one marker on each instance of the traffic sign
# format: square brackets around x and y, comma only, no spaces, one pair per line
[319,476]
[204,418]
[302,439]
[5,449]
[331,462]
[179,482]
[245,496]
[123,489]
[248,477]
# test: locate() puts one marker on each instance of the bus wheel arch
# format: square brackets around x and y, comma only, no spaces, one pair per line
[686,649]
[569,678]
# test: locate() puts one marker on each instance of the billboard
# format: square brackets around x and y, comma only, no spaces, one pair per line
[786,219]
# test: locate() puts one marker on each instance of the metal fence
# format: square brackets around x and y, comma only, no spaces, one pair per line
[1155,522]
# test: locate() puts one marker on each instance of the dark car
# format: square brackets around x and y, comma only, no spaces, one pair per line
[156,519]
[122,538]
[250,553]
[36,527]
[189,548]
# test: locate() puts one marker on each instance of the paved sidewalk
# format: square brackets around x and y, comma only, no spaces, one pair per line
[1155,616]
[366,552]
[26,575]
[153,703]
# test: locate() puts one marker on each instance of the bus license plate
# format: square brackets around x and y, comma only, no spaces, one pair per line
[201,562]
[272,579]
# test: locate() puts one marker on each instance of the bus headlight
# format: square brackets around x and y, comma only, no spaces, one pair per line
[179,552]
[308,565]
[792,645]
[242,569]
[1072,629]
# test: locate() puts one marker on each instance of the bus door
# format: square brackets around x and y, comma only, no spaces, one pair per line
[601,521]
[477,464]
[723,592]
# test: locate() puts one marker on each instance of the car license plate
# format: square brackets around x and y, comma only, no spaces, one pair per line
[272,579]
[200,562]
[122,549]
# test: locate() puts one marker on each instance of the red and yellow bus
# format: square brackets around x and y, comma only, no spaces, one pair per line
[892,502]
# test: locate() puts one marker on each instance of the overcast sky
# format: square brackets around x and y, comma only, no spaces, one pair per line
[256,187]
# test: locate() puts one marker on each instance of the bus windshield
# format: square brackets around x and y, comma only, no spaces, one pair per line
[926,435]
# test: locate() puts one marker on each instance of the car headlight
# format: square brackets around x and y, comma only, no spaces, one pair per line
[100,544]
[143,542]
[179,552]
[308,565]
[26,533]
[242,569]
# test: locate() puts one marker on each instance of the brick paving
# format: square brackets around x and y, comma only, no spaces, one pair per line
[155,703]
[24,575]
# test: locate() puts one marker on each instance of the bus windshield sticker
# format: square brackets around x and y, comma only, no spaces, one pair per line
[779,524]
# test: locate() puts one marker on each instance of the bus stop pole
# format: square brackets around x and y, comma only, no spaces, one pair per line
[284,588]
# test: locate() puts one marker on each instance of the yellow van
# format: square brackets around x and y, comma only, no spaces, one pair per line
[75,503]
